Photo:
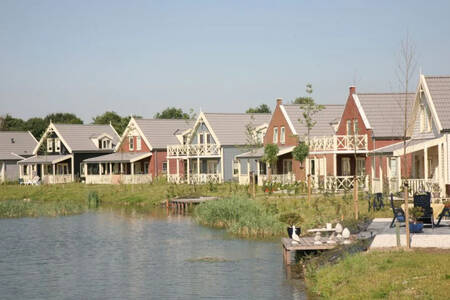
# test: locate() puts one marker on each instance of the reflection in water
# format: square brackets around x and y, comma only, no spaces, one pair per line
[127,254]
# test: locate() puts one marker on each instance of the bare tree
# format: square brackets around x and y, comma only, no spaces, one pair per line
[405,69]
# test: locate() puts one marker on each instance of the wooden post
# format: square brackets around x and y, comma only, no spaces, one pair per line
[178,170]
[355,197]
[132,172]
[85,172]
[309,189]
[425,163]
[188,171]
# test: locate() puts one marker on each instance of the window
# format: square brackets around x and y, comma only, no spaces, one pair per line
[355,127]
[146,167]
[275,135]
[287,166]
[207,138]
[164,167]
[312,167]
[200,138]
[105,144]
[345,166]
[262,168]
[425,119]
[393,167]
[360,166]
[131,143]
[349,127]
[49,145]
[138,143]
[282,136]
[235,167]
[57,145]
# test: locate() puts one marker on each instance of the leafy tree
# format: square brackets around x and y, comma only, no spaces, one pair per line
[309,109]
[63,118]
[300,152]
[13,124]
[112,117]
[36,126]
[270,157]
[262,109]
[172,113]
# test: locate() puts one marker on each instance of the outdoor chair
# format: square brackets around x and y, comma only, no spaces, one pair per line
[399,214]
[445,213]
[378,201]
[424,201]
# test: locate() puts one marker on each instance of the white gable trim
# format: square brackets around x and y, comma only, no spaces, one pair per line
[361,111]
[127,130]
[202,117]
[288,120]
[34,138]
[51,126]
[430,102]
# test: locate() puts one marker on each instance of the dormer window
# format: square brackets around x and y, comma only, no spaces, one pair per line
[131,143]
[57,145]
[49,145]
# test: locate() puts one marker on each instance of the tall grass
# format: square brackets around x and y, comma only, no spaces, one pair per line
[416,274]
[240,216]
[28,208]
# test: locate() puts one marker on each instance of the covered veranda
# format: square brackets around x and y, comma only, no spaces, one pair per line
[119,167]
[48,169]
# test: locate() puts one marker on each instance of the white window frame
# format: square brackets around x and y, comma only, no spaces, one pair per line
[275,135]
[282,135]
[360,166]
[235,167]
[205,138]
[138,143]
[346,166]
[57,145]
[393,167]
[131,143]
[348,126]
[164,167]
[50,145]
[355,127]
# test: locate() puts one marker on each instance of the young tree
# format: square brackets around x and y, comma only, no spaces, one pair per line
[261,109]
[172,113]
[405,69]
[309,109]
[270,157]
[253,142]
[36,126]
[300,152]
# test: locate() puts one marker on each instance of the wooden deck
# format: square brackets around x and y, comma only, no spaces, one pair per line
[305,244]
[182,205]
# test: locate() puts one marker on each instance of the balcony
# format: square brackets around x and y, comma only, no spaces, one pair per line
[193,150]
[338,143]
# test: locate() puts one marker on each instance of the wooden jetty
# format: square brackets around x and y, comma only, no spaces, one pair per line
[305,244]
[182,205]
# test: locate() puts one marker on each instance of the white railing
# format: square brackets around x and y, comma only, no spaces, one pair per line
[205,178]
[193,150]
[338,143]
[174,178]
[277,178]
[342,183]
[117,179]
[420,185]
[55,179]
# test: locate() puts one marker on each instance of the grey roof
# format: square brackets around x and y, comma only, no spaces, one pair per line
[439,87]
[44,159]
[230,128]
[385,112]
[117,157]
[256,153]
[397,146]
[14,143]
[78,136]
[162,132]
[324,119]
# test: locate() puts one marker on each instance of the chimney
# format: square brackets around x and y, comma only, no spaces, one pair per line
[352,89]
[279,101]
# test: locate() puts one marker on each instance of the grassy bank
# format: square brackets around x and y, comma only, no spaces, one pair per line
[65,199]
[418,274]
[265,215]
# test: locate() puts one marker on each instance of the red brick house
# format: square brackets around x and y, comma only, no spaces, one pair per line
[141,153]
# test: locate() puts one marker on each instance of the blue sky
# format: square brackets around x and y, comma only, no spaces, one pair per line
[138,57]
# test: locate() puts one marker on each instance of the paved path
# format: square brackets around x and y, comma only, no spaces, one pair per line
[439,237]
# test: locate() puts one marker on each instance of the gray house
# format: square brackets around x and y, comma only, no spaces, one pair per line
[14,146]
[58,155]
[208,150]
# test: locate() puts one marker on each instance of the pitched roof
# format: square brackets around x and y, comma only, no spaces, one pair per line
[119,157]
[385,112]
[439,88]
[230,128]
[17,142]
[79,136]
[324,119]
[162,132]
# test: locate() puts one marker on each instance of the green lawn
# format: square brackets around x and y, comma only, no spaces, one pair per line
[419,274]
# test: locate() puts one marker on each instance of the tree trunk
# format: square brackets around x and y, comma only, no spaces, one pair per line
[355,197]
[309,189]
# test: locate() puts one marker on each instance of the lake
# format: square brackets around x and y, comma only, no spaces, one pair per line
[121,254]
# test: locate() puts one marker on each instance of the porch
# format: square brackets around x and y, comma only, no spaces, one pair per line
[202,163]
[50,169]
[426,167]
[118,168]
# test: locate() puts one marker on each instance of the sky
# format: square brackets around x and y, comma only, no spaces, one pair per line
[139,57]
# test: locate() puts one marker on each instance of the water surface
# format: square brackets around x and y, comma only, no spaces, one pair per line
[112,254]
